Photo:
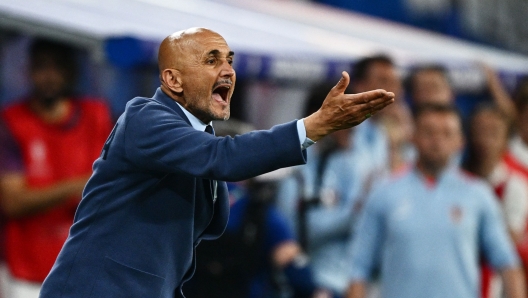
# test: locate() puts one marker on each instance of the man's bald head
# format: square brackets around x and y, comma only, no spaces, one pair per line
[175,47]
[196,71]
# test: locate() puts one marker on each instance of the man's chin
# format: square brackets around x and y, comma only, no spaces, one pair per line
[222,115]
[49,101]
[439,165]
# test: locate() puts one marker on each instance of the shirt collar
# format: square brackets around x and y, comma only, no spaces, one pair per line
[195,122]
[431,182]
[520,150]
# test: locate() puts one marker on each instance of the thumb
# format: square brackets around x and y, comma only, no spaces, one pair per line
[341,86]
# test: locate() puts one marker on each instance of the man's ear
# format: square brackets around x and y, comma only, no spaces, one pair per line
[171,78]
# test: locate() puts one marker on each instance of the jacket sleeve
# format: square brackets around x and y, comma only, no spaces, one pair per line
[158,139]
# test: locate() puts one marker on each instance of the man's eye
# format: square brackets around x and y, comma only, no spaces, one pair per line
[230,61]
[211,61]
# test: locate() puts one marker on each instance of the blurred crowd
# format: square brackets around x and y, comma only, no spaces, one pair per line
[419,200]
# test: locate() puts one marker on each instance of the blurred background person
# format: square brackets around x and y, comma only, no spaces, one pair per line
[399,129]
[258,255]
[320,218]
[425,227]
[489,131]
[57,136]
[305,181]
[327,218]
[518,146]
[517,156]
[8,157]
[323,197]
[370,139]
[429,84]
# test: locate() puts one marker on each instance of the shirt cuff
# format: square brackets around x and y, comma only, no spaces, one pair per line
[303,140]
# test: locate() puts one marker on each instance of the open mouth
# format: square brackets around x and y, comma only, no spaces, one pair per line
[221,92]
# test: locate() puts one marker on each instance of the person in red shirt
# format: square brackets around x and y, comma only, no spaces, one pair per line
[517,157]
[9,156]
[58,136]
[488,140]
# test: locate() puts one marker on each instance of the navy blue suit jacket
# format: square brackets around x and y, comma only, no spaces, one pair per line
[145,208]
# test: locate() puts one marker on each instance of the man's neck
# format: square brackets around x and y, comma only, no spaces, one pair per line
[195,122]
[486,166]
[430,171]
[51,112]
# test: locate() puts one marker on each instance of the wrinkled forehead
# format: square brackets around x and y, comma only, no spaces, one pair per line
[200,40]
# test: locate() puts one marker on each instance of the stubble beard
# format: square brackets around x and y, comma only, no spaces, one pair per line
[205,112]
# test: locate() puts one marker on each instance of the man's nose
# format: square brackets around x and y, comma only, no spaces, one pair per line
[227,70]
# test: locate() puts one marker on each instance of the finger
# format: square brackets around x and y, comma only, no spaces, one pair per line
[341,86]
[382,105]
[383,101]
[386,96]
[377,104]
[369,96]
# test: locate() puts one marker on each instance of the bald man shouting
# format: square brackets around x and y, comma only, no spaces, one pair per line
[157,188]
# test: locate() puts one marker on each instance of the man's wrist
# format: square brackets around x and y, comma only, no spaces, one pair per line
[304,140]
[314,131]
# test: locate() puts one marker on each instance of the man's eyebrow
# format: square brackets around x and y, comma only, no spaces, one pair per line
[217,52]
[213,52]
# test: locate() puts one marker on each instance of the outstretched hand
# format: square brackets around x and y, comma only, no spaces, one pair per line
[341,111]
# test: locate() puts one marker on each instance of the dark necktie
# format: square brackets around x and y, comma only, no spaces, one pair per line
[209,129]
[210,185]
